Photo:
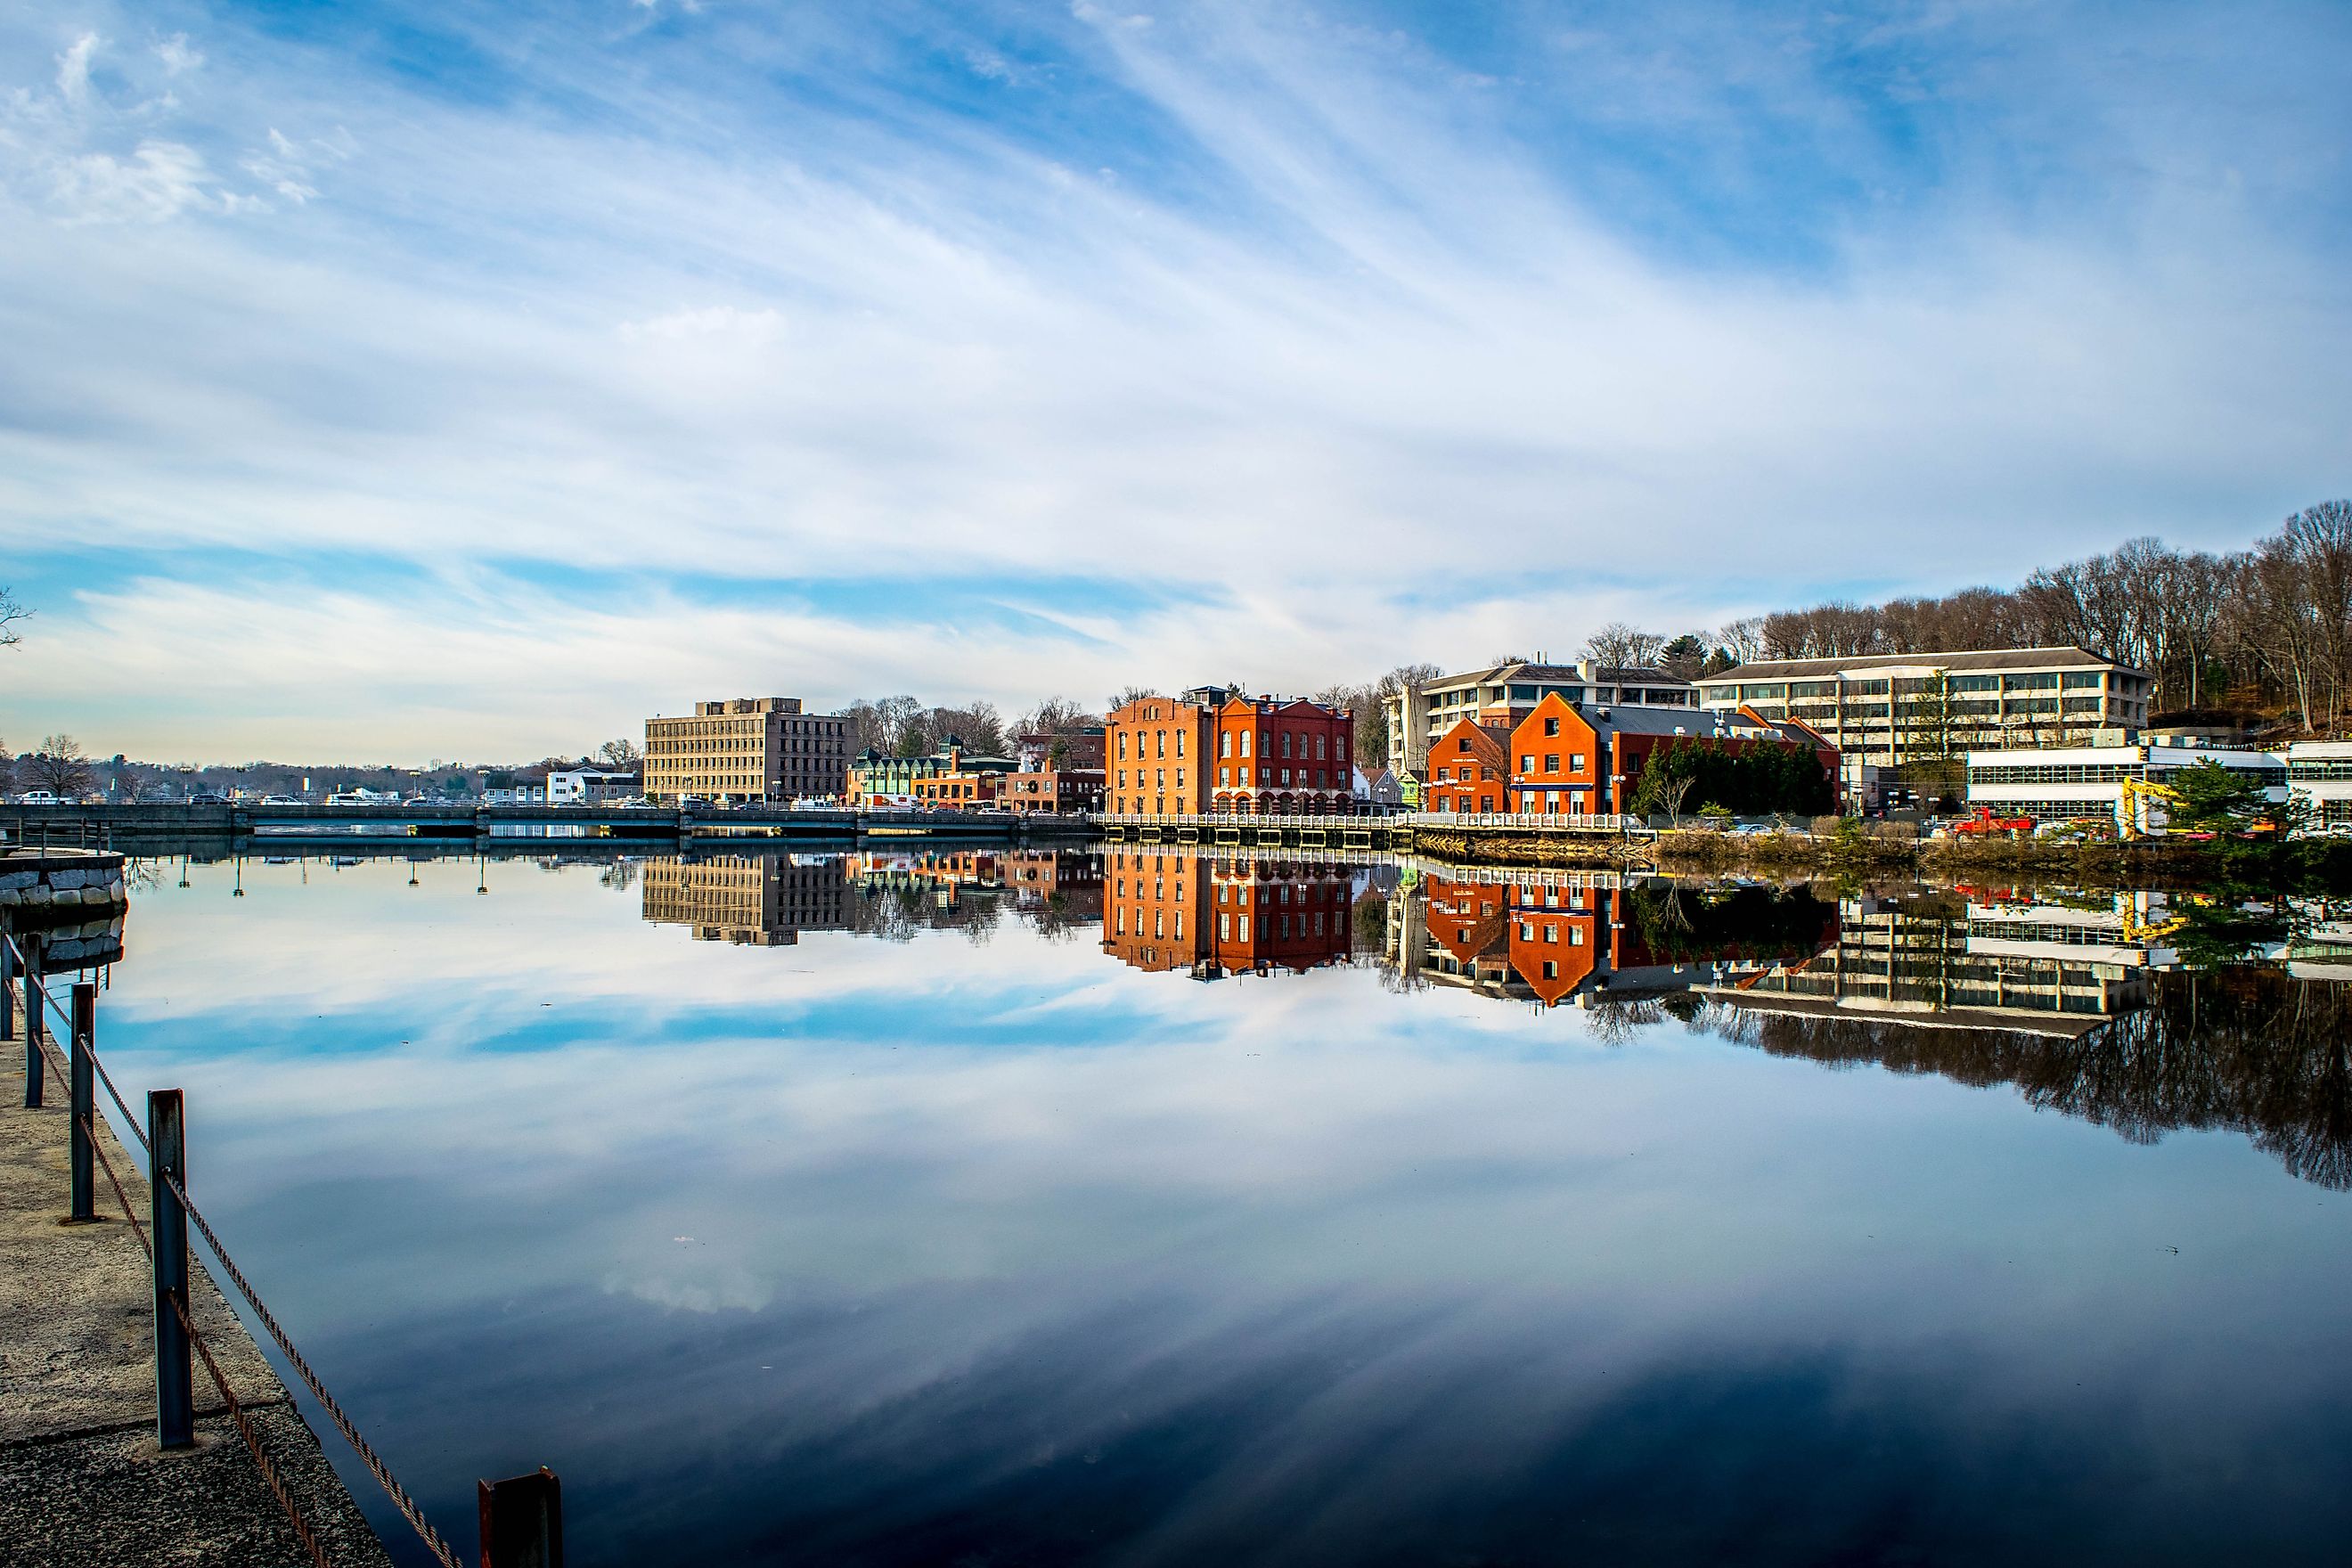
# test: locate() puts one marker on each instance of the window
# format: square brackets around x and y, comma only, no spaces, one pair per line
[1526,761]
[1551,761]
[1159,743]
[1225,744]
[1122,746]
[1246,743]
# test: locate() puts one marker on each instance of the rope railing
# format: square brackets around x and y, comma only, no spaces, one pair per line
[402,1499]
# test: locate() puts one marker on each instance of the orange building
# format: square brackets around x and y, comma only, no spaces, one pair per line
[1153,748]
[1470,770]
[1557,759]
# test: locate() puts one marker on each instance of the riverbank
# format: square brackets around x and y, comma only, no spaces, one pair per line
[2311,865]
[81,1479]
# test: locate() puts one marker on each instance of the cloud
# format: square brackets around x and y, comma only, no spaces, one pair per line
[1704,314]
[177,56]
[157,182]
[73,69]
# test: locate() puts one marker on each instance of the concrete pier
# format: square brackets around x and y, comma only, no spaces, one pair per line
[81,1480]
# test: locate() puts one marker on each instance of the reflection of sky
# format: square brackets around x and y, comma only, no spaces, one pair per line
[872,1252]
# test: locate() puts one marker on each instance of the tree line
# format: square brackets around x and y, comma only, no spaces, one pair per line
[2266,629]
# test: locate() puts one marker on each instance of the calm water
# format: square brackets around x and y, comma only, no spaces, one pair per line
[1152,1210]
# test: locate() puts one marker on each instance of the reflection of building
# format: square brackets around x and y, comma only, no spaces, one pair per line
[2047,968]
[1549,936]
[1173,908]
[1066,884]
[748,747]
[758,900]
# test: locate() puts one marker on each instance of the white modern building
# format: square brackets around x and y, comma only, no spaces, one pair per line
[2054,784]
[2320,771]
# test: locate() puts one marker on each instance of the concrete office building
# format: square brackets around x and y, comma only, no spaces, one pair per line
[747,749]
[1887,709]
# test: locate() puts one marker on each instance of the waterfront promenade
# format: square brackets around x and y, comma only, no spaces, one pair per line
[81,1479]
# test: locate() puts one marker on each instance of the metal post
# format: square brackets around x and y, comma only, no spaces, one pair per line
[33,995]
[522,1521]
[8,973]
[83,1091]
[175,1396]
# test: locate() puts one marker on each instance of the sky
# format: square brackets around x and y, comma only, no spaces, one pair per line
[389,382]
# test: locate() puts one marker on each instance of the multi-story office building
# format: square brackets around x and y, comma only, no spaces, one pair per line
[1887,709]
[2060,783]
[1502,694]
[747,749]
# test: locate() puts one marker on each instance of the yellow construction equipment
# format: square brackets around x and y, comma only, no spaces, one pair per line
[2137,795]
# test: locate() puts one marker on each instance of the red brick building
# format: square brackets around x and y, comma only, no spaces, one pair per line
[1470,770]
[1214,750]
[1060,791]
[1283,757]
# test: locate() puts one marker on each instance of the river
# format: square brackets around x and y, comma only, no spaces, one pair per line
[1142,1208]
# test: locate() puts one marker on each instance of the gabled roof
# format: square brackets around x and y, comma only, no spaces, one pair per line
[1974,658]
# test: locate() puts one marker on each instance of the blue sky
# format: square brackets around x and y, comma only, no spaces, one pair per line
[391,381]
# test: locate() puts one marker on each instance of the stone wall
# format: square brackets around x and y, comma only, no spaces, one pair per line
[72,884]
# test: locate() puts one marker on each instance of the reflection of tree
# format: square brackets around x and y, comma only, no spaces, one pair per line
[2226,928]
[2248,1049]
[621,875]
[1675,922]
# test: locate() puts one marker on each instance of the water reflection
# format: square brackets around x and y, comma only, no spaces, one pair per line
[956,1224]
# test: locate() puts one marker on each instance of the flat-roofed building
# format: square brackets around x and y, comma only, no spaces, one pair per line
[2056,784]
[2319,773]
[747,749]
[1888,709]
[1502,694]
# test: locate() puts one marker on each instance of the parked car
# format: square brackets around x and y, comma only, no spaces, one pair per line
[281,800]
[38,797]
[207,797]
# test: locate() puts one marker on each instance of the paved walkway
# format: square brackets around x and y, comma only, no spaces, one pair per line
[81,1481]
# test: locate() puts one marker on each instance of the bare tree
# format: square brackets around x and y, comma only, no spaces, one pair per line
[1743,639]
[1057,716]
[8,777]
[11,611]
[1621,646]
[620,755]
[60,765]
[1126,694]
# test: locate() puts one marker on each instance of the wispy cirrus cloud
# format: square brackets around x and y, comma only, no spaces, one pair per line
[1422,336]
